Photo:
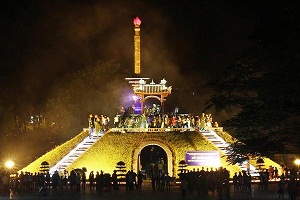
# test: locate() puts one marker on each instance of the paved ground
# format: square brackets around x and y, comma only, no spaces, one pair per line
[147,194]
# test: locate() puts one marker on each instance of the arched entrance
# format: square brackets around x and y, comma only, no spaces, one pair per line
[152,151]
[153,159]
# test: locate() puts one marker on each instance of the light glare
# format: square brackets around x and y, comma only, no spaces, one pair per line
[9,164]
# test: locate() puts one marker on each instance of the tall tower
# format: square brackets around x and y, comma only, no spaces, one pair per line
[137,42]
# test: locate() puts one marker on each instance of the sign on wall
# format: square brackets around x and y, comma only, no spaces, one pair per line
[203,158]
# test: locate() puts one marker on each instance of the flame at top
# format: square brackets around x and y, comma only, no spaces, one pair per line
[137,21]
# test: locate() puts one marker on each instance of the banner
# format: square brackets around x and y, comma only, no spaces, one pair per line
[203,158]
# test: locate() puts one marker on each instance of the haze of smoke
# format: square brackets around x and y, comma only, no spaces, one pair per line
[69,36]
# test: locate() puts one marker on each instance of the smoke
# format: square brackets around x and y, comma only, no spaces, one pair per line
[67,36]
[60,37]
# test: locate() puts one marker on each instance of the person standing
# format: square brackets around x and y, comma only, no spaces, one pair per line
[281,184]
[276,173]
[116,121]
[144,123]
[91,121]
[235,182]
[292,188]
[163,182]
[48,179]
[183,187]
[91,180]
[160,167]
[168,184]
[139,180]
[123,114]
[153,181]
[77,181]
[83,180]
[115,180]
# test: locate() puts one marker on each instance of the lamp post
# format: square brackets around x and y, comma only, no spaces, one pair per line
[297,162]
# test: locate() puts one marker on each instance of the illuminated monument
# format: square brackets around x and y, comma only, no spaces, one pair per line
[137,43]
[142,90]
[196,148]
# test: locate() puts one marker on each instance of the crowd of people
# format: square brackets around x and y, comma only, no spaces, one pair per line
[202,182]
[98,123]
[75,180]
[150,119]
[204,122]
[155,119]
[287,181]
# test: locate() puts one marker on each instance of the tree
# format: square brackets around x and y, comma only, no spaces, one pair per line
[263,85]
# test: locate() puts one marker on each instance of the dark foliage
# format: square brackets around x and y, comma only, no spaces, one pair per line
[264,86]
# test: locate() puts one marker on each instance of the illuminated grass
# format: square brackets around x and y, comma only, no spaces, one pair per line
[268,162]
[115,147]
[56,154]
[226,137]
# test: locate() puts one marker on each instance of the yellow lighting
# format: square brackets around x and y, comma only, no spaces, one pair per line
[137,46]
[297,162]
[9,164]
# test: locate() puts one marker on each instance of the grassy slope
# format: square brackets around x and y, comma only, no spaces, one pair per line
[56,154]
[115,147]
[268,162]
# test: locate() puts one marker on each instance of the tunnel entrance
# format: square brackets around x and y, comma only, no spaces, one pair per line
[143,153]
[153,160]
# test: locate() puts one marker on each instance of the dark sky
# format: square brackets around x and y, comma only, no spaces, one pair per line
[182,41]
[48,38]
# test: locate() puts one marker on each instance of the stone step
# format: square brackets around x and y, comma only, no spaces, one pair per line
[67,163]
[215,140]
[212,138]
[76,155]
[220,145]
[81,147]
[223,148]
[209,135]
[88,142]
[69,160]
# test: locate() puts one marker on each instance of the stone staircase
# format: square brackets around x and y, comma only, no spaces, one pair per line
[223,146]
[216,140]
[75,153]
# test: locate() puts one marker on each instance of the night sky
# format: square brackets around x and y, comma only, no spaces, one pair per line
[185,42]
[49,38]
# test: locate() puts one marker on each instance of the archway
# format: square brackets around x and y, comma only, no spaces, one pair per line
[152,107]
[159,150]
[152,90]
[153,159]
